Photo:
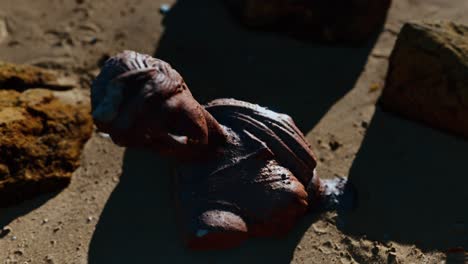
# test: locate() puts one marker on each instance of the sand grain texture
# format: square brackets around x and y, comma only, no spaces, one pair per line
[118,207]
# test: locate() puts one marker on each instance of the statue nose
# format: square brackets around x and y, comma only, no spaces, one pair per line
[187,124]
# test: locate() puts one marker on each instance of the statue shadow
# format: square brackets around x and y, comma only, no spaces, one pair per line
[411,185]
[219,58]
[138,223]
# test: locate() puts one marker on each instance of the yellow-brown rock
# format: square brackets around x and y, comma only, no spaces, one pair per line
[41,140]
[428,75]
[21,77]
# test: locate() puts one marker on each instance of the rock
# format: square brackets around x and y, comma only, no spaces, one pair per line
[328,21]
[21,77]
[427,78]
[41,140]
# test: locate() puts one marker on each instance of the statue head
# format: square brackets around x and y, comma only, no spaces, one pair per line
[142,101]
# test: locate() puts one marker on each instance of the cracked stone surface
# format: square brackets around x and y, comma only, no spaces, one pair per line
[41,140]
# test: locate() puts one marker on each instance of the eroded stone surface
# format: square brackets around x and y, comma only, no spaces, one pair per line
[428,75]
[41,140]
[329,21]
[21,77]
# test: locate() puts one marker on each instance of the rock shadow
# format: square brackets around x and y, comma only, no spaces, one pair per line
[219,58]
[138,223]
[411,185]
[8,214]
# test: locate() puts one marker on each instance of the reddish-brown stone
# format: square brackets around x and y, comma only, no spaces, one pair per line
[242,170]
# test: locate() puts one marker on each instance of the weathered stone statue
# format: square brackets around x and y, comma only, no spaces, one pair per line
[243,170]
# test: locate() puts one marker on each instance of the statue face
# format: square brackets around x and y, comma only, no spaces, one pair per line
[142,101]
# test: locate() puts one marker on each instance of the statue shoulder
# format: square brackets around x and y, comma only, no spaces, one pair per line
[276,130]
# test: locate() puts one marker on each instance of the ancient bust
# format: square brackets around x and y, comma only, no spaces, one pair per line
[242,170]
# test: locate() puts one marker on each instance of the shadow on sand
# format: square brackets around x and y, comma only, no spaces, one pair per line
[411,184]
[10,213]
[218,58]
[138,223]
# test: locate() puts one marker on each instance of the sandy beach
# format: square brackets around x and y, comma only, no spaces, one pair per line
[118,207]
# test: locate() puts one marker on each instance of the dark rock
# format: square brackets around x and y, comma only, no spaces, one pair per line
[328,21]
[428,75]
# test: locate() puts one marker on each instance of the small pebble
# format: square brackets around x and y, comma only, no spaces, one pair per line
[45,221]
[90,219]
[104,135]
[164,9]
[374,87]
[13,238]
